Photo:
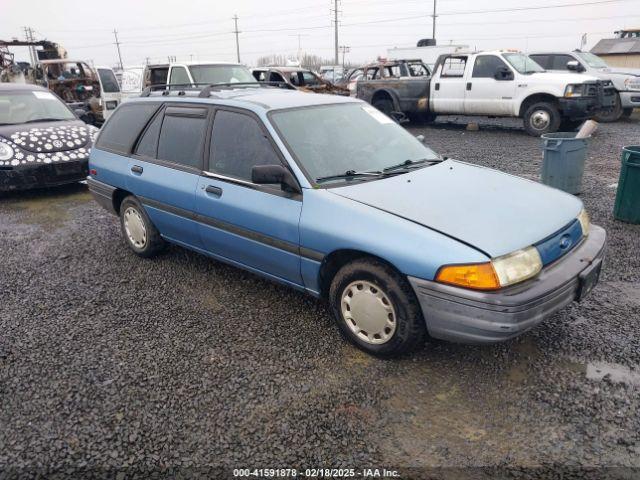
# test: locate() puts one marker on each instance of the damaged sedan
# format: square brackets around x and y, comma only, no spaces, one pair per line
[42,141]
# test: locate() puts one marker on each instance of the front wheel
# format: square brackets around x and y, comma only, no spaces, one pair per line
[612,114]
[140,234]
[541,118]
[376,309]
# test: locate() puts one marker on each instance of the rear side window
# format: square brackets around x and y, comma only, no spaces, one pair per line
[486,66]
[123,128]
[182,136]
[179,76]
[238,144]
[542,60]
[453,67]
[148,143]
[108,80]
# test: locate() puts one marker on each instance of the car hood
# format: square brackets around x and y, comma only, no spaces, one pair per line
[492,211]
[566,78]
[634,72]
[48,141]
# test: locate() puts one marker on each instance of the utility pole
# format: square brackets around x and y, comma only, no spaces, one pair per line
[335,20]
[115,33]
[299,35]
[28,34]
[237,32]
[433,35]
[344,49]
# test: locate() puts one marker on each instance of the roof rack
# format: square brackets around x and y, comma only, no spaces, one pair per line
[205,89]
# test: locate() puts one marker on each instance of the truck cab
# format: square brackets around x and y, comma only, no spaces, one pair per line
[510,84]
[625,80]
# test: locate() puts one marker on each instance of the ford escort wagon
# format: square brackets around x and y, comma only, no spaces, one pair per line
[329,196]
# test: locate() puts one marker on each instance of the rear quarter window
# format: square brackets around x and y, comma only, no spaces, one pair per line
[122,129]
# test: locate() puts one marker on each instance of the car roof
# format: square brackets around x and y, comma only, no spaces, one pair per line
[259,100]
[6,87]
[62,60]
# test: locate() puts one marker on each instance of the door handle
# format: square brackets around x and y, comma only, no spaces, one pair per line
[215,191]
[437,86]
[136,169]
[468,85]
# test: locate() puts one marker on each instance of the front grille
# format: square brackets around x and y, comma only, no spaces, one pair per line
[591,90]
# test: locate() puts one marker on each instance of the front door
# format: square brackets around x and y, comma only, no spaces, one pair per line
[491,88]
[254,226]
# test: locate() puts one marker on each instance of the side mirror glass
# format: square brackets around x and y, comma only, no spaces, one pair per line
[274,174]
[503,73]
[574,66]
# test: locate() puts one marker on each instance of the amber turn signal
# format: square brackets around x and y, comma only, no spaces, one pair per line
[479,276]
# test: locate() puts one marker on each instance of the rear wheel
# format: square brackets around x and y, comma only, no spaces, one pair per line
[541,118]
[385,105]
[140,234]
[612,114]
[376,309]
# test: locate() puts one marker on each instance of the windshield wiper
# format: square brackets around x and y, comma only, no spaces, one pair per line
[408,164]
[36,120]
[349,174]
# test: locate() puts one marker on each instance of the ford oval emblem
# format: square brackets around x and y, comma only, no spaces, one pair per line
[565,242]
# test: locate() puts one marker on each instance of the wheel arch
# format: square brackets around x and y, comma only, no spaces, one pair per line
[383,93]
[117,197]
[535,98]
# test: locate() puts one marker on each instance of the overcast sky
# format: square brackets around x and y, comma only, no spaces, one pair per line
[202,29]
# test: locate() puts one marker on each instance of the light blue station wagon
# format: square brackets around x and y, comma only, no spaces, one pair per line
[329,196]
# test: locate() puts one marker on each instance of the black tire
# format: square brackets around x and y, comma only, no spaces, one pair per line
[612,114]
[534,111]
[627,112]
[153,242]
[410,329]
[385,105]
[570,125]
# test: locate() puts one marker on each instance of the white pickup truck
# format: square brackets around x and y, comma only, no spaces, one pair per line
[493,84]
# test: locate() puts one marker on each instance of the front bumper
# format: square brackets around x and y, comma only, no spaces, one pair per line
[468,316]
[580,108]
[22,177]
[630,99]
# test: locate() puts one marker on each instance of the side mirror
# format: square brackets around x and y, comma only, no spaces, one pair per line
[574,66]
[503,73]
[80,112]
[274,174]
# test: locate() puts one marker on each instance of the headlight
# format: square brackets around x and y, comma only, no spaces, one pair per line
[498,273]
[6,152]
[585,223]
[632,84]
[573,90]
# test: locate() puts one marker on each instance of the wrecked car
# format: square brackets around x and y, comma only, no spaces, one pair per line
[355,210]
[42,141]
[297,78]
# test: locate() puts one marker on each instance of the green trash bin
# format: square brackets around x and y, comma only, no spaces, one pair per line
[564,159]
[627,206]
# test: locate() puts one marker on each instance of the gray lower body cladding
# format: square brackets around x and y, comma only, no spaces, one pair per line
[468,316]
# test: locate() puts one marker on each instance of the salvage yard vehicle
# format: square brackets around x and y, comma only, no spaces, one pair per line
[626,81]
[297,78]
[494,84]
[401,242]
[110,95]
[42,142]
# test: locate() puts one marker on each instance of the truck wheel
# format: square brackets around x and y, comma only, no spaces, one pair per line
[385,105]
[627,112]
[376,309]
[140,234]
[541,118]
[612,114]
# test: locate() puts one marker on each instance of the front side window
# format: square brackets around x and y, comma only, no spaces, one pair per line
[522,63]
[182,136]
[486,66]
[179,76]
[418,70]
[309,78]
[124,126]
[31,106]
[108,80]
[238,143]
[559,62]
[333,139]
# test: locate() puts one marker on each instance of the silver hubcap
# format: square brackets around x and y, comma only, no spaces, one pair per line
[540,119]
[134,227]
[368,312]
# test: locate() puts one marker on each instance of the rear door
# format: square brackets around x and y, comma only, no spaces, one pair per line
[449,85]
[111,95]
[165,167]
[490,87]
[255,226]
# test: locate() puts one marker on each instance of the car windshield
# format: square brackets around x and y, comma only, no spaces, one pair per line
[31,106]
[221,74]
[330,140]
[522,63]
[592,60]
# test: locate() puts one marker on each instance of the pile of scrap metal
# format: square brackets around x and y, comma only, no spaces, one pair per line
[297,78]
[73,81]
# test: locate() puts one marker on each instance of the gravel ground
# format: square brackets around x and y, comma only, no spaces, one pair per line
[110,364]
